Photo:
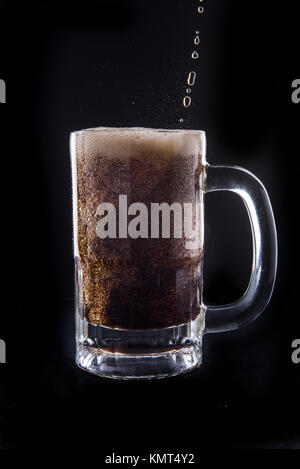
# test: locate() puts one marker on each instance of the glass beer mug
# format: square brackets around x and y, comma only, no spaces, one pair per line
[138,214]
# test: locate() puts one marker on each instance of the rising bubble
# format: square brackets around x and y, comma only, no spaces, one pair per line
[195,55]
[196,40]
[191,78]
[200,9]
[187,101]
[188,90]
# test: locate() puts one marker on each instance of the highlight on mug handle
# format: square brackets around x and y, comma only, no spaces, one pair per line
[264,239]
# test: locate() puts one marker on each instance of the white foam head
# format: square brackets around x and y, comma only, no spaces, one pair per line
[120,143]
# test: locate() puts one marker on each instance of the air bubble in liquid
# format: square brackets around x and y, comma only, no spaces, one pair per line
[196,40]
[180,120]
[197,32]
[191,78]
[195,55]
[188,90]
[187,101]
[200,9]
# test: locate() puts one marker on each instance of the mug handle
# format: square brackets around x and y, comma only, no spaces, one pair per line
[264,239]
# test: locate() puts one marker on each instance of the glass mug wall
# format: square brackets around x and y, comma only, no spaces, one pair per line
[138,213]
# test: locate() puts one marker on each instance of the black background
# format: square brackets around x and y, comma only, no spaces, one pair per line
[71,65]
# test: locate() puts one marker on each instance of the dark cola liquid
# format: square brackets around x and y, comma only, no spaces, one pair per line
[141,283]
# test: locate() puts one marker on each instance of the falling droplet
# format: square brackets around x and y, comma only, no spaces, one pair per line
[195,55]
[187,101]
[197,40]
[191,78]
[188,90]
[200,9]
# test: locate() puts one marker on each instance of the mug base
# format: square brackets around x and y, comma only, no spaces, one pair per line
[139,354]
[129,366]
